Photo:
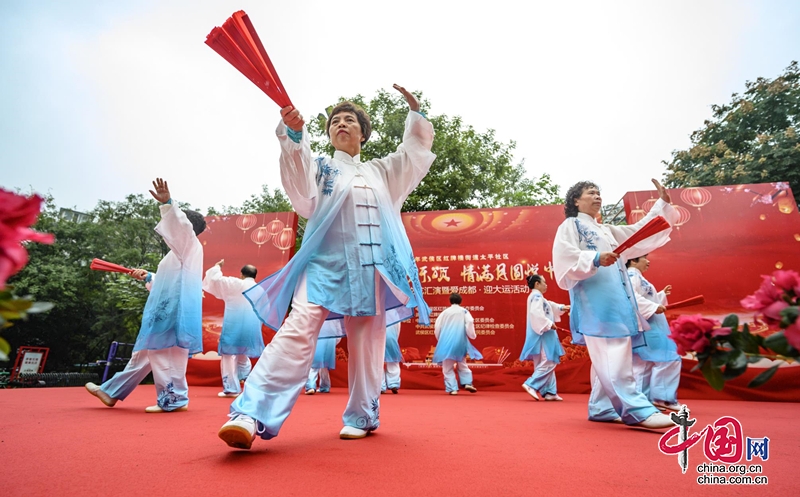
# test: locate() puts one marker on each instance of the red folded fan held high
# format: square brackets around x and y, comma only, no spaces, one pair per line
[238,43]
[101,265]
[656,225]
[697,300]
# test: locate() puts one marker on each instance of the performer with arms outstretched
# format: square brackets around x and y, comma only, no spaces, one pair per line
[355,264]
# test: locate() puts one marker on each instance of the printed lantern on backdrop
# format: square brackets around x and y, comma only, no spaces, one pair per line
[648,204]
[283,240]
[260,236]
[696,197]
[638,213]
[238,43]
[274,227]
[683,215]
[245,222]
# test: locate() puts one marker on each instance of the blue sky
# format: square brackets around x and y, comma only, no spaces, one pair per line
[98,98]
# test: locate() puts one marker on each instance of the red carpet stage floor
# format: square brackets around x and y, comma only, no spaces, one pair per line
[63,442]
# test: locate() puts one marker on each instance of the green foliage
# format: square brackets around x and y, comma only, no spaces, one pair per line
[471,169]
[752,139]
[91,308]
[276,201]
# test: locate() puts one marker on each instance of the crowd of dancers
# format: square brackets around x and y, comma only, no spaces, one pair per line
[355,276]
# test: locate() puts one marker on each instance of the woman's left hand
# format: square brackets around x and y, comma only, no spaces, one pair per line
[413,103]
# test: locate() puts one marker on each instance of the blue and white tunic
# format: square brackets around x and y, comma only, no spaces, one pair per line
[173,314]
[603,302]
[453,329]
[659,347]
[241,328]
[393,353]
[354,239]
[540,332]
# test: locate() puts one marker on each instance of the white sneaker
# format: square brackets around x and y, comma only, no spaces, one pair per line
[470,389]
[104,397]
[552,396]
[667,406]
[310,391]
[226,394]
[655,421]
[454,392]
[239,432]
[352,433]
[157,409]
[530,391]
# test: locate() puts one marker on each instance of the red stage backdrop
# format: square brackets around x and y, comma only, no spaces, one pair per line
[263,240]
[727,238]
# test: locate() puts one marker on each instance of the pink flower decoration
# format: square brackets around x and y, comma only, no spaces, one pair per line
[17,214]
[765,296]
[792,334]
[691,333]
[786,280]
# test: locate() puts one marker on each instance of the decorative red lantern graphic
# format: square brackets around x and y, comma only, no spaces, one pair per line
[637,215]
[648,204]
[245,222]
[284,239]
[683,215]
[274,227]
[260,236]
[696,197]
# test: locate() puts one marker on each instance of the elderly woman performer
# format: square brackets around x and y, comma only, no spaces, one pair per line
[604,314]
[355,264]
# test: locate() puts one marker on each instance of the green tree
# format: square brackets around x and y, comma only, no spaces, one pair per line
[752,139]
[471,169]
[266,201]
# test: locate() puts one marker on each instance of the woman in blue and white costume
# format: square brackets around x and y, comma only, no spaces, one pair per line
[604,316]
[541,341]
[392,359]
[355,265]
[172,326]
[453,329]
[656,365]
[324,362]
[241,336]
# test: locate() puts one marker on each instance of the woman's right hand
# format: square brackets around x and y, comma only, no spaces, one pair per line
[608,258]
[292,118]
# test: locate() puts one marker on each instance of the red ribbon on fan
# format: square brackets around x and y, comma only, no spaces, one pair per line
[238,43]
[101,265]
[656,225]
[686,303]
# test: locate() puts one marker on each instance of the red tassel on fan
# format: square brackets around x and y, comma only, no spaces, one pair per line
[656,225]
[699,299]
[101,265]
[238,43]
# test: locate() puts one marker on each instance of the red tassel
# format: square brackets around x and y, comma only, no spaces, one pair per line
[699,299]
[656,225]
[101,265]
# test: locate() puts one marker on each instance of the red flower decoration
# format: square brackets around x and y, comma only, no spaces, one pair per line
[692,333]
[17,214]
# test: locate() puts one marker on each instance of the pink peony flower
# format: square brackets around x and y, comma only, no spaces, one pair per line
[792,334]
[17,214]
[765,296]
[691,333]
[786,280]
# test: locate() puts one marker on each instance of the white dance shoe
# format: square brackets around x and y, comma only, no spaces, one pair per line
[530,391]
[157,409]
[352,433]
[104,397]
[656,421]
[239,432]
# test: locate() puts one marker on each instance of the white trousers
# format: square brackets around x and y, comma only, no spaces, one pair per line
[658,381]
[614,393]
[543,379]
[234,368]
[464,374]
[324,376]
[391,379]
[279,376]
[169,375]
